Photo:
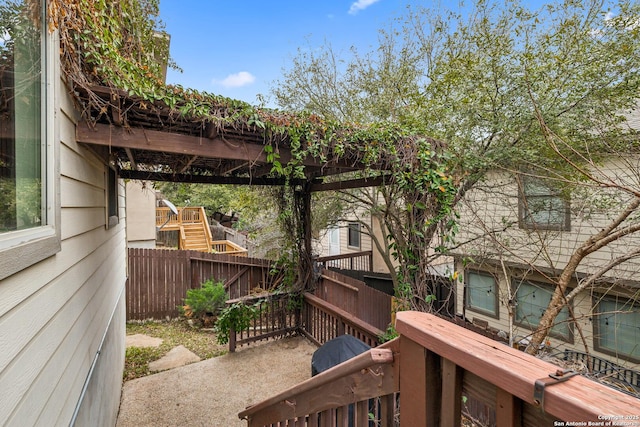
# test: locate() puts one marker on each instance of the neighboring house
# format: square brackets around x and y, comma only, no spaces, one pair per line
[522,232]
[141,214]
[62,246]
[353,234]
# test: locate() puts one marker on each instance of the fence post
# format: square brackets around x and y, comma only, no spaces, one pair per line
[232,340]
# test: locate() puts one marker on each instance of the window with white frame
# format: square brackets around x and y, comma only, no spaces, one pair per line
[617,328]
[542,207]
[481,293]
[27,213]
[353,237]
[532,299]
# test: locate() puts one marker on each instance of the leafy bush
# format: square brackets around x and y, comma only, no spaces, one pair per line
[237,316]
[388,335]
[208,300]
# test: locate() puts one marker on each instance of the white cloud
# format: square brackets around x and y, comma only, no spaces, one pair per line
[360,5]
[240,79]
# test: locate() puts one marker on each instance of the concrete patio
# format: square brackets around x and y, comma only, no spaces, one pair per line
[212,392]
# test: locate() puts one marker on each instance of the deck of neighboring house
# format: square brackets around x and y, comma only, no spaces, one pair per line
[194,232]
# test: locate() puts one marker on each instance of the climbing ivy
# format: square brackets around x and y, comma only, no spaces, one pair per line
[121,44]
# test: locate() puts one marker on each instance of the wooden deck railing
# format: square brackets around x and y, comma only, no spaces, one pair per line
[436,367]
[280,314]
[276,316]
[361,261]
[354,393]
[168,221]
[228,247]
[322,322]
[188,215]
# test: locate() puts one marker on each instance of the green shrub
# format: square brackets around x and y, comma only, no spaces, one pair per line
[208,300]
[237,316]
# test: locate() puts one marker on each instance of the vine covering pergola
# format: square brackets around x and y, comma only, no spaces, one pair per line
[152,131]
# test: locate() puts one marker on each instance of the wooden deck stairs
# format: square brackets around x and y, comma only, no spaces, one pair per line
[195,233]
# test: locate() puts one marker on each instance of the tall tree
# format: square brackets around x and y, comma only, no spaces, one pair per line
[501,85]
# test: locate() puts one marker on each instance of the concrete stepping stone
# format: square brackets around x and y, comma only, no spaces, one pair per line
[141,340]
[177,356]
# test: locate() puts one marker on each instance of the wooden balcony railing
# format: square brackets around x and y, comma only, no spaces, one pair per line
[437,367]
[228,247]
[360,261]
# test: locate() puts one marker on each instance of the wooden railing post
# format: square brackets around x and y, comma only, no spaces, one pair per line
[232,340]
[421,380]
[451,393]
[508,409]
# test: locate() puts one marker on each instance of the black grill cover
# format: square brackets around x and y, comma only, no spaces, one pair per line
[336,351]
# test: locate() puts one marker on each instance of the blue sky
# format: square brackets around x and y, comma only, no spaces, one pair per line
[238,48]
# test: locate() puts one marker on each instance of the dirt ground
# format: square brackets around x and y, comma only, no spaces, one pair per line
[212,392]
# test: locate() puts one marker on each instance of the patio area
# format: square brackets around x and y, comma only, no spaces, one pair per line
[212,392]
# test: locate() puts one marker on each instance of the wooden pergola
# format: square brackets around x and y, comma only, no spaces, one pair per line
[150,141]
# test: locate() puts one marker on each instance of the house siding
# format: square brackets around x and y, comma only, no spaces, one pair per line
[582,307]
[495,203]
[141,213]
[55,313]
[521,252]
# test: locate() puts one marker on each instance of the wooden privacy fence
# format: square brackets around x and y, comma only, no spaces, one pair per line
[424,377]
[159,278]
[355,297]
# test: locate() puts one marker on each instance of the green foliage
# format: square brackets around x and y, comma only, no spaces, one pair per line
[238,316]
[209,299]
[389,334]
[493,83]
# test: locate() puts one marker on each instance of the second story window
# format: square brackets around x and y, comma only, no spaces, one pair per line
[542,207]
[353,238]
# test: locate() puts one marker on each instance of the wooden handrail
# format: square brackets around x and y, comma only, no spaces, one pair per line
[347,317]
[375,372]
[513,372]
[205,224]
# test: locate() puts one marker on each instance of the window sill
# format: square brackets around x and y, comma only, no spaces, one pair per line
[27,253]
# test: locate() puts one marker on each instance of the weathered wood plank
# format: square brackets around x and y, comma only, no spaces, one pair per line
[508,409]
[512,370]
[413,382]
[348,382]
[451,393]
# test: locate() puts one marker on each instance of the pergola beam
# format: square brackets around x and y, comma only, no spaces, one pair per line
[203,179]
[219,147]
[348,184]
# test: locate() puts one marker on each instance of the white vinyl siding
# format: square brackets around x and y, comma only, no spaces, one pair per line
[55,312]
